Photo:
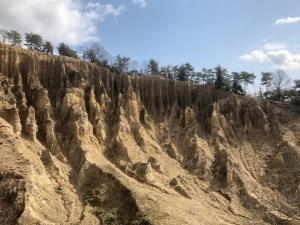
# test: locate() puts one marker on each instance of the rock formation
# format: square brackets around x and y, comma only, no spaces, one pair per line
[79,145]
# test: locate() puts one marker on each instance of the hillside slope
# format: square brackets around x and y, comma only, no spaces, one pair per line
[79,145]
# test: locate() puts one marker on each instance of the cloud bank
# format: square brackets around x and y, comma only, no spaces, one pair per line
[287,20]
[68,21]
[283,59]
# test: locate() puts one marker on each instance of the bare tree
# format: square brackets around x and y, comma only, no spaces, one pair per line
[143,67]
[3,35]
[133,67]
[279,81]
[96,53]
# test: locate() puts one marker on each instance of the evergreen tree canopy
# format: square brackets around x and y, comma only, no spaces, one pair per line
[14,38]
[247,78]
[48,48]
[208,77]
[167,71]
[34,42]
[185,72]
[266,78]
[63,49]
[121,64]
[152,67]
[219,82]
[236,86]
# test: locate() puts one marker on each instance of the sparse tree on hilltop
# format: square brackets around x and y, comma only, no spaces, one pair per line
[236,86]
[199,78]
[34,42]
[247,78]
[14,38]
[121,64]
[133,68]
[168,72]
[185,72]
[219,82]
[266,78]
[297,84]
[48,48]
[96,53]
[64,49]
[152,67]
[208,77]
[3,35]
[296,97]
[279,81]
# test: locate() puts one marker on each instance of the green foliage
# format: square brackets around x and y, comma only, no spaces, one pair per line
[297,84]
[295,98]
[14,38]
[34,42]
[218,77]
[208,76]
[152,67]
[167,72]
[64,49]
[121,65]
[247,78]
[185,72]
[219,82]
[278,82]
[48,48]
[236,86]
[266,78]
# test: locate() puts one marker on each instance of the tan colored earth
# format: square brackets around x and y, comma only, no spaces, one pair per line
[81,146]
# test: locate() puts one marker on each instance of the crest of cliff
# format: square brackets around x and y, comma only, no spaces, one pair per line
[79,145]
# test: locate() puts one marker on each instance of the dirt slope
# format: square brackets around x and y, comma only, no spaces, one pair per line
[79,145]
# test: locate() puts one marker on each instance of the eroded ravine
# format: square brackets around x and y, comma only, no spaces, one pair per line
[95,148]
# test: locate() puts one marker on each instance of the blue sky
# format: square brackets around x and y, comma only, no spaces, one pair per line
[248,35]
[205,33]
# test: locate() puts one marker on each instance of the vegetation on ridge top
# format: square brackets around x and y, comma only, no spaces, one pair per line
[276,84]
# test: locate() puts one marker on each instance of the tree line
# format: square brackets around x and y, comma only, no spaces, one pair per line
[34,42]
[278,87]
[275,83]
[236,82]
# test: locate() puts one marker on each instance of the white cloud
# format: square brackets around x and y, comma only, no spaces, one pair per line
[255,56]
[274,46]
[281,58]
[67,21]
[287,20]
[141,3]
[284,59]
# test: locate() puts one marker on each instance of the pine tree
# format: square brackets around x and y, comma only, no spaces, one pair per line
[48,48]
[63,49]
[34,42]
[152,67]
[219,83]
[14,38]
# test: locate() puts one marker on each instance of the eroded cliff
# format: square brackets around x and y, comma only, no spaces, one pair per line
[80,145]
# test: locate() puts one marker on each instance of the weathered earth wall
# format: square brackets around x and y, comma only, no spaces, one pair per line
[80,145]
